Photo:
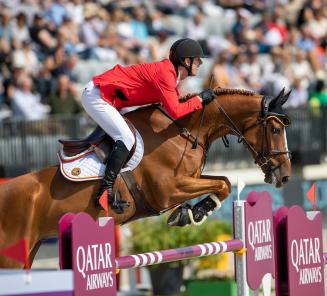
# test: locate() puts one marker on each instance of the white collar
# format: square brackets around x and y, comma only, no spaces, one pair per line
[178,78]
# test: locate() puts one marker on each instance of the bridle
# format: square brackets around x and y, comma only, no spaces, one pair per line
[264,157]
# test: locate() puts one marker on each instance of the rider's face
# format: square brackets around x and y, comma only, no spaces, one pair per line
[195,66]
[197,62]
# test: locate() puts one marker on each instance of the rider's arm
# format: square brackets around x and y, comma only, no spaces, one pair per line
[166,87]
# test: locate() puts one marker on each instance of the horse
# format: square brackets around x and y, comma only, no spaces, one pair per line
[168,175]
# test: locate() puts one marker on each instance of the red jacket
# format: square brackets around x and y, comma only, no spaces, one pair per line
[144,84]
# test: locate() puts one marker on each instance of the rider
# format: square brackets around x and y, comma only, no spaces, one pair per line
[135,85]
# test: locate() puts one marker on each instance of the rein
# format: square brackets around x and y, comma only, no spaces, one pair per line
[265,156]
[185,133]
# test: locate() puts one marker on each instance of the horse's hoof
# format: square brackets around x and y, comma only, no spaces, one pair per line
[180,217]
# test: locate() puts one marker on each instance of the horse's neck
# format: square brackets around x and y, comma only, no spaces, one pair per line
[241,109]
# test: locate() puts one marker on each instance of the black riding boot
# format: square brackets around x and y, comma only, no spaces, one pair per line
[114,164]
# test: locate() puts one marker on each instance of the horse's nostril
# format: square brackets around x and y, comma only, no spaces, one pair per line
[285,179]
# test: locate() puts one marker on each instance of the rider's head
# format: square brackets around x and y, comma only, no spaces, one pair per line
[186,52]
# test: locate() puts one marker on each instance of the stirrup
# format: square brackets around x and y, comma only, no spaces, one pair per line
[117,204]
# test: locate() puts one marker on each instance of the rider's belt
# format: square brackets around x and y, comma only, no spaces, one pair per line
[120,95]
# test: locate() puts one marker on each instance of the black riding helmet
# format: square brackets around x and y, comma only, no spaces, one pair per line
[185,48]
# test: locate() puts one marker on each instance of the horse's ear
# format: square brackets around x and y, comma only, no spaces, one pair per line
[285,97]
[275,101]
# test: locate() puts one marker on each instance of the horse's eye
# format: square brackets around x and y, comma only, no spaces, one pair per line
[276,130]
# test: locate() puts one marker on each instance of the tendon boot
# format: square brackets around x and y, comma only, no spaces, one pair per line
[114,164]
[196,215]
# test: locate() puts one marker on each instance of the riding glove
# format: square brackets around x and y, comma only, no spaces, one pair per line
[207,96]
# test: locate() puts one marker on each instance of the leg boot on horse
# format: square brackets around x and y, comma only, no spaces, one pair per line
[114,164]
[196,215]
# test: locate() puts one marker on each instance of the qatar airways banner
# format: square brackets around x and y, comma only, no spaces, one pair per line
[305,252]
[93,253]
[259,237]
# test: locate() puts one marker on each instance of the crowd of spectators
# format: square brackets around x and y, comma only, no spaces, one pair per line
[257,45]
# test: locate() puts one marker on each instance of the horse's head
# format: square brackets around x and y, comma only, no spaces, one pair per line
[266,139]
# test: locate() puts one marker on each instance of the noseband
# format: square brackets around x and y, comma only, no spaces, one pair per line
[264,157]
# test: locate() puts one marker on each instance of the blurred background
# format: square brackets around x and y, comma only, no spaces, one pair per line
[49,49]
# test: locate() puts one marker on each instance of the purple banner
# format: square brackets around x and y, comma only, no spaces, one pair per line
[93,250]
[259,238]
[305,253]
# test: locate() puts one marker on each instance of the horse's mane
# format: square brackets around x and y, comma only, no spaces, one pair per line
[221,91]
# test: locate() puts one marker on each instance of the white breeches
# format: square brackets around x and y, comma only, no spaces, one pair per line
[106,116]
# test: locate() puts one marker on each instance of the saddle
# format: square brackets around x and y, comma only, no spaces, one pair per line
[77,146]
[99,140]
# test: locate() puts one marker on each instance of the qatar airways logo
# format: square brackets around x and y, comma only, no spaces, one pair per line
[260,239]
[305,258]
[94,263]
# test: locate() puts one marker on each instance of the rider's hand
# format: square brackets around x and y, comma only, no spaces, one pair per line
[207,96]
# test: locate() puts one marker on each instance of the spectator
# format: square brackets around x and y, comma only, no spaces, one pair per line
[219,75]
[68,36]
[62,100]
[89,31]
[19,30]
[5,57]
[44,80]
[299,95]
[26,58]
[5,27]
[317,25]
[251,70]
[138,23]
[56,12]
[240,26]
[300,68]
[195,30]
[156,24]
[75,11]
[320,93]
[25,104]
[5,98]
[41,34]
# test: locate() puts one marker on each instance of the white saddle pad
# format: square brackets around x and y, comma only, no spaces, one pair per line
[86,166]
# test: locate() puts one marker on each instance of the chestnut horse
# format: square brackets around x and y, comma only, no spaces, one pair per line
[169,173]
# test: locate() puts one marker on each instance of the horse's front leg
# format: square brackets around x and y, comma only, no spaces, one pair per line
[187,188]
